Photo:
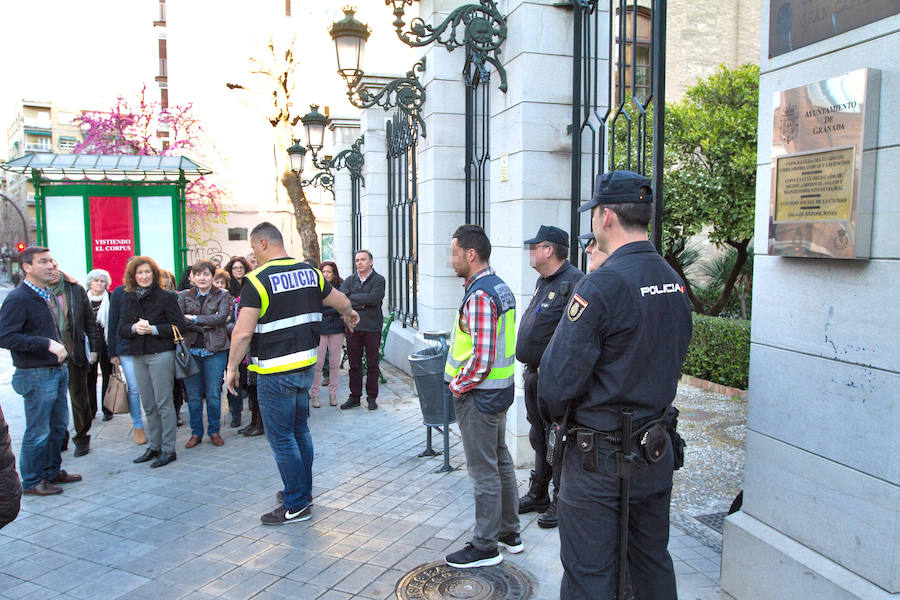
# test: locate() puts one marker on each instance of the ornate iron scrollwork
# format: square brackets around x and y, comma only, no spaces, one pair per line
[352,159]
[406,93]
[484,31]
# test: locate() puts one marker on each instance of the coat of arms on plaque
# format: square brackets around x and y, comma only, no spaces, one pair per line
[789,123]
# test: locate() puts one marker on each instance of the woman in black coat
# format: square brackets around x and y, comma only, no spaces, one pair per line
[148,314]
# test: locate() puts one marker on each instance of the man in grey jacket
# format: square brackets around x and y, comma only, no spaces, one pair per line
[365,289]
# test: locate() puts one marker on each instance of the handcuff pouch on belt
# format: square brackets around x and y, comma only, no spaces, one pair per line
[678,444]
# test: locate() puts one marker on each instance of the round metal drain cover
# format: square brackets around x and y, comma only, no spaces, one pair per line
[438,581]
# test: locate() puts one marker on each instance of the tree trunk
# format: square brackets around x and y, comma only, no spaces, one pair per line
[303,215]
[695,302]
[741,248]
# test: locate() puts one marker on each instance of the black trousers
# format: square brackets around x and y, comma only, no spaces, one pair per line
[105,368]
[357,341]
[589,527]
[537,434]
[80,399]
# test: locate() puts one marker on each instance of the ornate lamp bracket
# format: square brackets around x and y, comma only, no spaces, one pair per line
[351,159]
[483,32]
[406,93]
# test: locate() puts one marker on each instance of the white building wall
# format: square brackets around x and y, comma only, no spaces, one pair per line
[821,512]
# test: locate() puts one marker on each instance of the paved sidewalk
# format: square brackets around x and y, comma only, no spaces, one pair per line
[191,529]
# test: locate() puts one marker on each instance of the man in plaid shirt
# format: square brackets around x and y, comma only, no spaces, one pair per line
[479,372]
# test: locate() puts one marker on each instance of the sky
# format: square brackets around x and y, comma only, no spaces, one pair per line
[79,54]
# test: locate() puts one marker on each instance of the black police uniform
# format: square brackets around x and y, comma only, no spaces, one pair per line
[621,343]
[551,295]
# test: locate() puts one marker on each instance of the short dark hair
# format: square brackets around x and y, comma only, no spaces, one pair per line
[372,258]
[633,216]
[473,237]
[268,232]
[204,265]
[27,255]
[560,252]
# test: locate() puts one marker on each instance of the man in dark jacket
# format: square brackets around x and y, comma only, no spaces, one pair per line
[81,337]
[28,328]
[10,486]
[547,255]
[365,289]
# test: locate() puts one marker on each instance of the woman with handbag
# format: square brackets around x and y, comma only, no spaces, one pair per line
[148,316]
[206,309]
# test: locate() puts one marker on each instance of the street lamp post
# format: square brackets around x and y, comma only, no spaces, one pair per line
[406,93]
[314,123]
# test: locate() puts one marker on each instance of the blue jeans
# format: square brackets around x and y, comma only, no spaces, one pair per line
[46,420]
[284,407]
[206,386]
[134,396]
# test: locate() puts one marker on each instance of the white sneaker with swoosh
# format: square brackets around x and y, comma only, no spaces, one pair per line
[282,515]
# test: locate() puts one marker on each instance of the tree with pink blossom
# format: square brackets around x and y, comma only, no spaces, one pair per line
[145,128]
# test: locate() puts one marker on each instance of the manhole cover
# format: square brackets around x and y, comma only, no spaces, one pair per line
[715,520]
[438,580]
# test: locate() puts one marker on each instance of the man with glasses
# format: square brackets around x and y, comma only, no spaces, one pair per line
[547,253]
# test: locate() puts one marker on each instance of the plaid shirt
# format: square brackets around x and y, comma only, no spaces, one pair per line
[43,293]
[479,319]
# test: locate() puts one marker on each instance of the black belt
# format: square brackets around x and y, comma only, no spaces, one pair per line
[615,437]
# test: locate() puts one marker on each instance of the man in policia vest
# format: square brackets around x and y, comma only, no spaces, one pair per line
[480,368]
[281,304]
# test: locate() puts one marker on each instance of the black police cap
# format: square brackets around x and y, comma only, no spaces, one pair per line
[549,233]
[619,187]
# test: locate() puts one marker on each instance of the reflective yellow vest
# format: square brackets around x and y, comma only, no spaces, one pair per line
[501,375]
[285,339]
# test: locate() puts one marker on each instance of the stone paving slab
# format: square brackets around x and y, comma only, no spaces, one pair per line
[191,529]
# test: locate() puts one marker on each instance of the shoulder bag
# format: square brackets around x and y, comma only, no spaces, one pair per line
[185,365]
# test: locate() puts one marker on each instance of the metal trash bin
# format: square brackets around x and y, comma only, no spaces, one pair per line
[427,368]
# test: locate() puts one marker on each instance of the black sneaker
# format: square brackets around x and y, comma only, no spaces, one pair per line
[512,542]
[350,403]
[470,557]
[372,404]
[235,421]
[281,516]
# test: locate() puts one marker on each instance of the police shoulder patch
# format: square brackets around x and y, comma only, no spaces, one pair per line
[576,307]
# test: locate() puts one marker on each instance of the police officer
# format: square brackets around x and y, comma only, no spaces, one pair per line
[621,344]
[595,256]
[281,306]
[547,252]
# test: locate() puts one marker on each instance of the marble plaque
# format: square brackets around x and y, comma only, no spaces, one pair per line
[822,192]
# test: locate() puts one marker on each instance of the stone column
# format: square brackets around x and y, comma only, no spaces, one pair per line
[529,132]
[821,510]
[441,202]
[345,131]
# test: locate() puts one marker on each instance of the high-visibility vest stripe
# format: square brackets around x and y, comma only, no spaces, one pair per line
[263,295]
[295,360]
[288,322]
[502,373]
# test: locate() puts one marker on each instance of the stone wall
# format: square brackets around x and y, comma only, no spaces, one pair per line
[822,481]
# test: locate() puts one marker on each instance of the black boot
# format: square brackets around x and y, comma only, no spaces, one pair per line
[536,499]
[548,519]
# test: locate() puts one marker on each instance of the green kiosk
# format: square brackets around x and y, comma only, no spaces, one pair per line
[97,211]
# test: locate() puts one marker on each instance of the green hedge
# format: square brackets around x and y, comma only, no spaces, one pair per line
[719,351]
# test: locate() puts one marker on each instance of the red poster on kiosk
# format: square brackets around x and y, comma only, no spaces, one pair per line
[112,234]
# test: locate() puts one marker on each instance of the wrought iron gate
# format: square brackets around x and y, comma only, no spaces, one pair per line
[403,218]
[617,104]
[477,78]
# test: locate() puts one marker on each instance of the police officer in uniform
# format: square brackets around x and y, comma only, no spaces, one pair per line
[547,253]
[621,344]
[281,307]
